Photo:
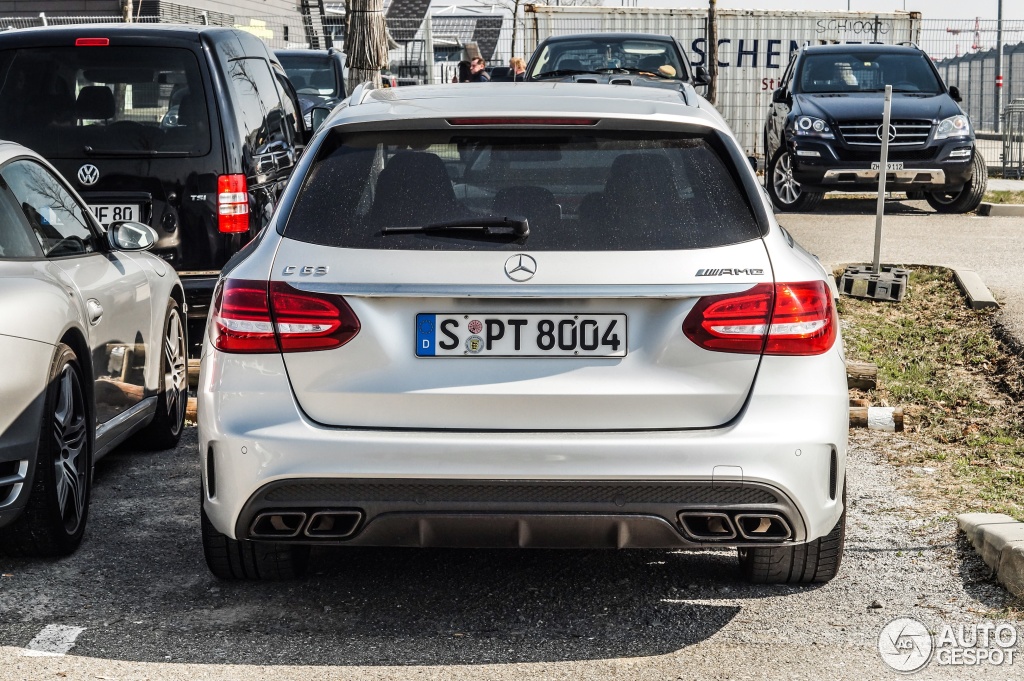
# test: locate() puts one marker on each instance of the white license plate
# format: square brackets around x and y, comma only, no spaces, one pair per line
[520,335]
[892,165]
[107,213]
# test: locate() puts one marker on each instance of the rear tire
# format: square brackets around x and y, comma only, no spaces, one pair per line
[785,192]
[53,521]
[234,559]
[968,198]
[814,562]
[916,195]
[164,431]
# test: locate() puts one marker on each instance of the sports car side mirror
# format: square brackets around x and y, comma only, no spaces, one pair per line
[700,76]
[954,93]
[131,236]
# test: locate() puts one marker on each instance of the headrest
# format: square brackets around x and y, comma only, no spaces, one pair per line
[95,102]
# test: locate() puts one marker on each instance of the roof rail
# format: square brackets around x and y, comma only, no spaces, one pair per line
[909,43]
[360,92]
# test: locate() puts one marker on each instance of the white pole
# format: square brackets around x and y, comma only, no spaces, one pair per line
[882,167]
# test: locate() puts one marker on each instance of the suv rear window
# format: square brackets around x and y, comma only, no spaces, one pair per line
[72,102]
[582,190]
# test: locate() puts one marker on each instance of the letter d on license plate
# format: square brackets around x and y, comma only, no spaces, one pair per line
[520,335]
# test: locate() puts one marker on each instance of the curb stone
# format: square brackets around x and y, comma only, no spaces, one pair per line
[999,540]
[974,289]
[1000,210]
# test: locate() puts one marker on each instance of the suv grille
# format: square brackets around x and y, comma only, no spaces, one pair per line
[865,133]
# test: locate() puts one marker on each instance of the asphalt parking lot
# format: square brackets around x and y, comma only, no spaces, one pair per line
[147,607]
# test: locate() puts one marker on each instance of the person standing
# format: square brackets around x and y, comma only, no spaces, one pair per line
[477,72]
[462,72]
[517,70]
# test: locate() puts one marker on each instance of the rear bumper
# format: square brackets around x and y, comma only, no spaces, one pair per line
[784,453]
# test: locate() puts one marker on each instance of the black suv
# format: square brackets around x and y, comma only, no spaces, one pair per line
[617,58]
[192,130]
[824,129]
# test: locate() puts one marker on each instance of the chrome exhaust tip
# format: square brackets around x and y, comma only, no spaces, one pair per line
[277,524]
[763,527]
[702,526]
[333,524]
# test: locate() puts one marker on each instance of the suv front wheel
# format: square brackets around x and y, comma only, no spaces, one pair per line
[785,191]
[968,198]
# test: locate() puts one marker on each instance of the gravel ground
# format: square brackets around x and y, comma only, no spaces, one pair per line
[150,609]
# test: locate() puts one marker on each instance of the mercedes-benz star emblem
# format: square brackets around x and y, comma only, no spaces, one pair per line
[520,267]
[88,174]
[892,132]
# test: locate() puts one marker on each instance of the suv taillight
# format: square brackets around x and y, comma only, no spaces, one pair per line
[249,319]
[232,204]
[780,319]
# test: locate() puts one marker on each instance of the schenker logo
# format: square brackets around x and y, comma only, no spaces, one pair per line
[735,271]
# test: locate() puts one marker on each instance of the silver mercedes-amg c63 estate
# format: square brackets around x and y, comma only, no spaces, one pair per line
[93,343]
[524,315]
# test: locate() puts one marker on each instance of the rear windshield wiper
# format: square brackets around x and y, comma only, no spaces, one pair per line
[134,152]
[560,72]
[515,227]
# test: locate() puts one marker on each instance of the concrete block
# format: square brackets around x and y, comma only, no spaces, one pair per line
[999,540]
[1001,210]
[974,289]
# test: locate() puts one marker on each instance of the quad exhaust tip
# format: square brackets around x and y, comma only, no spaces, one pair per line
[704,526]
[290,524]
[715,526]
[763,526]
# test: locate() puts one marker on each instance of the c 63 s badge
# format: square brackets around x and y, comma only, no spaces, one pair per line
[735,271]
[305,270]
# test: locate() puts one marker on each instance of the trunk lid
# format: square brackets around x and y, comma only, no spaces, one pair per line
[663,381]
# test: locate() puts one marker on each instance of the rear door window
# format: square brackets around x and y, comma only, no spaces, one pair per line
[586,190]
[262,115]
[74,102]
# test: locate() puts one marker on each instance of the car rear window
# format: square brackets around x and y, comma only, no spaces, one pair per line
[74,102]
[579,190]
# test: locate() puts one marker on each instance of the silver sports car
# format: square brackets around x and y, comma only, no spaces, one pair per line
[524,315]
[93,346]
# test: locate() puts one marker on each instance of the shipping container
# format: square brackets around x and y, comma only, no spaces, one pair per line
[754,46]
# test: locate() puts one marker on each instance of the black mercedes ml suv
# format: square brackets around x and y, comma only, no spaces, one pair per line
[824,130]
[191,130]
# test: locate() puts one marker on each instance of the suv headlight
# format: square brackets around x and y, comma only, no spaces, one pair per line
[954,126]
[809,126]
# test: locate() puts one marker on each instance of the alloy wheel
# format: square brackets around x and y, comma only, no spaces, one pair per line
[175,370]
[71,461]
[787,189]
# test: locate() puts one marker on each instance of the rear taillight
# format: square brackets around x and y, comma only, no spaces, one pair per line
[92,42]
[249,318]
[232,204]
[784,319]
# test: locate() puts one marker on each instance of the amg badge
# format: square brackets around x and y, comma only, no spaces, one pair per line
[734,271]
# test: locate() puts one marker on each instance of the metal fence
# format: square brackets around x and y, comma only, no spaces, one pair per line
[754,45]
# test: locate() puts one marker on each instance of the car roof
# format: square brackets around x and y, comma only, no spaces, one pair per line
[59,34]
[861,47]
[531,99]
[305,51]
[609,37]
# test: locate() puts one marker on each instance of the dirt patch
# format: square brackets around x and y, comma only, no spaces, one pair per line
[960,380]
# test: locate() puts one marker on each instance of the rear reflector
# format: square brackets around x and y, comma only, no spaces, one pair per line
[522,121]
[92,42]
[784,319]
[232,204]
[250,318]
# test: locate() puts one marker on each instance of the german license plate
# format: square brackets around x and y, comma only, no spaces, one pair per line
[106,213]
[520,335]
[891,165]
